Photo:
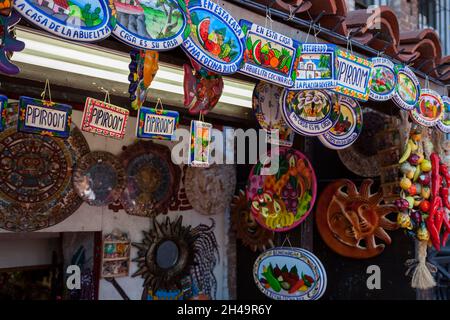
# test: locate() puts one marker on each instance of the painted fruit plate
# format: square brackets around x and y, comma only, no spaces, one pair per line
[429,110]
[444,123]
[285,273]
[383,79]
[281,201]
[407,89]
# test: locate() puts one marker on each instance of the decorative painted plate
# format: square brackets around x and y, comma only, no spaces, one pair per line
[216,40]
[266,107]
[285,273]
[444,123]
[407,89]
[280,202]
[36,189]
[99,178]
[152,179]
[429,110]
[158,25]
[309,112]
[383,79]
[80,20]
[348,128]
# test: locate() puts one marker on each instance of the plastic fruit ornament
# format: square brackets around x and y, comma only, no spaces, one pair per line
[405,183]
[426,192]
[412,190]
[417,201]
[416,216]
[424,179]
[422,232]
[421,158]
[425,205]
[425,166]
[404,221]
[414,159]
[410,202]
[401,204]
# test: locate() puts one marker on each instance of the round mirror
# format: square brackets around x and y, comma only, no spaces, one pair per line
[167,254]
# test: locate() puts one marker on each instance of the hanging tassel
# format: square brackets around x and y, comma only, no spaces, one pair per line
[422,277]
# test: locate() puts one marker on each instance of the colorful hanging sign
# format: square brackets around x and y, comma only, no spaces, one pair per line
[309,112]
[157,25]
[157,123]
[80,20]
[281,201]
[429,110]
[103,118]
[9,44]
[266,108]
[3,111]
[285,273]
[353,75]
[444,123]
[316,66]
[216,40]
[199,151]
[143,68]
[383,79]
[268,55]
[407,90]
[44,117]
[348,127]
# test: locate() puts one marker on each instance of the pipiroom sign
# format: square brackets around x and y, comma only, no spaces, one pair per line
[44,117]
[156,124]
[103,118]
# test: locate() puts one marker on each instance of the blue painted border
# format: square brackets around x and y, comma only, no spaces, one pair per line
[168,113]
[387,64]
[441,126]
[397,99]
[365,83]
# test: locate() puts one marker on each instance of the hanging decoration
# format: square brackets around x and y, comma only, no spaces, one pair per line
[84,20]
[210,190]
[310,112]
[143,68]
[36,189]
[199,150]
[266,107]
[383,79]
[353,75]
[104,118]
[349,221]
[99,178]
[268,55]
[280,202]
[407,89]
[316,66]
[285,273]
[348,127]
[3,111]
[9,44]
[152,179]
[216,40]
[158,25]
[247,229]
[171,252]
[444,123]
[202,88]
[429,110]
[157,123]
[116,255]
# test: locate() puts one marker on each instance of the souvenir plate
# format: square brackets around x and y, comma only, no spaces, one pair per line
[3,111]
[353,75]
[149,24]
[383,79]
[348,128]
[289,274]
[309,112]
[282,201]
[266,107]
[429,110]
[156,124]
[99,178]
[80,20]
[268,55]
[216,40]
[407,89]
[44,117]
[444,123]
[316,66]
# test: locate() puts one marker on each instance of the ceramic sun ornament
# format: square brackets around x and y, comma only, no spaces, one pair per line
[8,43]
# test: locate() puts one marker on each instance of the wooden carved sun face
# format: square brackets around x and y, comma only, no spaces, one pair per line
[350,221]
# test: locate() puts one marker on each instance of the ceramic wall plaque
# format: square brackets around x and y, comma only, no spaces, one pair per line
[199,151]
[348,128]
[316,66]
[103,118]
[9,43]
[44,117]
[353,75]
[285,273]
[143,68]
[3,111]
[384,79]
[429,110]
[80,20]
[216,40]
[268,55]
[309,112]
[281,201]
[149,24]
[444,123]
[266,108]
[156,124]
[407,90]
